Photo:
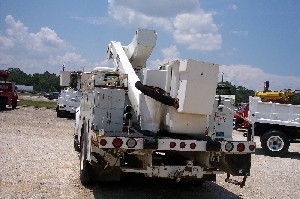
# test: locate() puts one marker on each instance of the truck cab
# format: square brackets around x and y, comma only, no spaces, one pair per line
[8,93]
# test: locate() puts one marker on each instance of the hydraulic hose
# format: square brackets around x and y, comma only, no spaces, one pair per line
[158,94]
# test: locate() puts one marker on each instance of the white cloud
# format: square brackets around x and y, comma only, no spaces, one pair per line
[162,8]
[241,33]
[190,25]
[5,43]
[169,54]
[128,16]
[35,52]
[233,7]
[253,78]
[71,60]
[6,59]
[46,40]
[92,20]
[197,31]
[16,29]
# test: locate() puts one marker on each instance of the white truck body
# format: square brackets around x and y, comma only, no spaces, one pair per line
[274,113]
[69,99]
[171,125]
[278,125]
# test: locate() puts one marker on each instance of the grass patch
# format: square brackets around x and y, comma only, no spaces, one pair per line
[37,104]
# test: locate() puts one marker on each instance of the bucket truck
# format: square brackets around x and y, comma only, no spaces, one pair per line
[69,98]
[164,123]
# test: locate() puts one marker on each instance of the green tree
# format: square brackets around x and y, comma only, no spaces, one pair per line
[18,76]
[45,82]
[241,93]
[296,99]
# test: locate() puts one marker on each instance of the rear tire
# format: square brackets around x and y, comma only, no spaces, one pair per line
[76,146]
[2,105]
[14,104]
[59,113]
[275,143]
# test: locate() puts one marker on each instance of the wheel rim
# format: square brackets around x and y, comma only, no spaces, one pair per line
[275,143]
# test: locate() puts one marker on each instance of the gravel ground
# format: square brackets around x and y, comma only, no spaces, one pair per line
[38,161]
[34,97]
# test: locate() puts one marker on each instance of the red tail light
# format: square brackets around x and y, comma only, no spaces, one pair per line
[251,147]
[192,145]
[172,145]
[117,142]
[182,145]
[240,147]
[103,142]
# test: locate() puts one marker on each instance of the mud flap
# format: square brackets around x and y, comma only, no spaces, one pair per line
[232,181]
[234,164]
[103,172]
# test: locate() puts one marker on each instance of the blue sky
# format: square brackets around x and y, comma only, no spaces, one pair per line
[253,41]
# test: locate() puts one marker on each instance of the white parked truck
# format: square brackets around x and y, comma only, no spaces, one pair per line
[69,98]
[164,123]
[278,125]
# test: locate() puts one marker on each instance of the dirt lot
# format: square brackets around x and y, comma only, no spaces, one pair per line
[38,161]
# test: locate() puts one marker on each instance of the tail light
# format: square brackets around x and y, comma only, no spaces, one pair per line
[240,147]
[103,142]
[117,142]
[251,147]
[182,145]
[229,146]
[192,145]
[172,145]
[131,143]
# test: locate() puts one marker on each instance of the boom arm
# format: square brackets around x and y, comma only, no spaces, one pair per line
[117,53]
[133,57]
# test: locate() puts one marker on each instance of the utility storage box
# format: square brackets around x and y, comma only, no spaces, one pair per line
[65,78]
[197,86]
[108,109]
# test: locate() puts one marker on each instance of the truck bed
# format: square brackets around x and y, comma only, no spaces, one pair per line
[274,113]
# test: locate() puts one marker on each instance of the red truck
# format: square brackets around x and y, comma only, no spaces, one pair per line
[8,94]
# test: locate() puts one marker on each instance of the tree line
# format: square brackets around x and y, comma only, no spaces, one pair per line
[48,82]
[45,82]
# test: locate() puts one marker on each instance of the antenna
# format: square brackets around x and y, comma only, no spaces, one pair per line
[222,76]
